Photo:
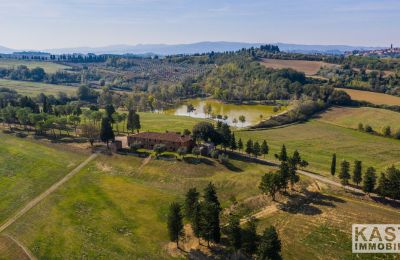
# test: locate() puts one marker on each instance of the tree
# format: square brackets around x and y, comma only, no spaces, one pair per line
[136,122]
[203,131]
[242,119]
[393,176]
[250,237]
[383,186]
[133,121]
[233,144]
[210,222]
[256,149]
[182,151]
[74,121]
[234,232]
[210,194]
[186,132]
[191,198]
[357,172]
[284,175]
[110,110]
[106,131]
[387,131]
[249,147]
[344,174]
[196,151]
[175,223]
[270,184]
[240,144]
[189,108]
[333,165]
[369,180]
[282,156]
[270,245]
[264,148]
[196,220]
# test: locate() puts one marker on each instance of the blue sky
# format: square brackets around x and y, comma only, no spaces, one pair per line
[43,24]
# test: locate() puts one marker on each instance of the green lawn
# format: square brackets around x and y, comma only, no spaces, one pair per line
[317,141]
[49,67]
[27,168]
[34,88]
[351,116]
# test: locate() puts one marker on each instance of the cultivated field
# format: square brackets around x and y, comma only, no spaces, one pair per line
[35,88]
[49,67]
[373,97]
[27,168]
[310,68]
[350,117]
[317,141]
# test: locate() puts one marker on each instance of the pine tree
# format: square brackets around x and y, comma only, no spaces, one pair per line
[130,124]
[270,184]
[210,195]
[234,232]
[192,197]
[233,144]
[210,228]
[284,175]
[264,148]
[369,180]
[357,172]
[175,223]
[344,174]
[256,149]
[249,147]
[106,131]
[282,155]
[196,220]
[240,145]
[333,164]
[250,237]
[270,245]
[383,186]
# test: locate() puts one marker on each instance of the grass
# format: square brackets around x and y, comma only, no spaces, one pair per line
[27,168]
[321,228]
[373,97]
[114,209]
[310,68]
[317,141]
[350,117]
[34,88]
[49,67]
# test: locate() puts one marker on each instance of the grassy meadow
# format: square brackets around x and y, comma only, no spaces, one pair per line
[28,88]
[49,67]
[27,168]
[373,97]
[116,208]
[351,116]
[317,141]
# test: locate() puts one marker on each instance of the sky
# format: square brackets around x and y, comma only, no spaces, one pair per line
[46,24]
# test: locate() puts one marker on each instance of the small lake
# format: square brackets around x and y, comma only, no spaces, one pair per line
[252,113]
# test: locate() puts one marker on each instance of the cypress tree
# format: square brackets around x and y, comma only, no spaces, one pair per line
[250,237]
[357,172]
[282,156]
[175,223]
[192,197]
[270,245]
[233,144]
[333,164]
[344,173]
[369,180]
[383,186]
[264,148]
[256,149]
[240,144]
[106,131]
[249,147]
[234,232]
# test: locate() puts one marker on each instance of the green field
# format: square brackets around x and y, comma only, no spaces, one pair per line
[49,67]
[114,209]
[27,168]
[34,88]
[350,117]
[317,141]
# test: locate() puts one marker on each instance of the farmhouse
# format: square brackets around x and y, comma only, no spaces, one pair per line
[172,141]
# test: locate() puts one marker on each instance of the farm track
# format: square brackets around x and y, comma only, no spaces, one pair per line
[42,196]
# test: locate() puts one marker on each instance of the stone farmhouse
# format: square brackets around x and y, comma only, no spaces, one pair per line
[172,141]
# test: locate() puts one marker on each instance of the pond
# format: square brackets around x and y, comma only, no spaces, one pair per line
[214,109]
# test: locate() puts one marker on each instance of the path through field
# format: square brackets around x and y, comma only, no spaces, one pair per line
[42,196]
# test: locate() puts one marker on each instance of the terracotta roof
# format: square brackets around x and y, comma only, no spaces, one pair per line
[170,136]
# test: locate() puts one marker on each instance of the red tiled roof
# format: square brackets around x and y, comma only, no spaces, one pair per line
[170,137]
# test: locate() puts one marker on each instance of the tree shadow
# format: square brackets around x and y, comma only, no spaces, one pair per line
[306,203]
[245,158]
[230,166]
[197,161]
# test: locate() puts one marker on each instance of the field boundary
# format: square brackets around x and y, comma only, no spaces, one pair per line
[42,196]
[26,250]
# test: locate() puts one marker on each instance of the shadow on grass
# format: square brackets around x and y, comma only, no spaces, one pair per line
[245,158]
[197,161]
[230,166]
[306,203]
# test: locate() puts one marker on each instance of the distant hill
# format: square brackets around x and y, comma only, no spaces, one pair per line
[199,47]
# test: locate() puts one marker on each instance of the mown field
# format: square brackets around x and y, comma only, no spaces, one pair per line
[309,68]
[27,168]
[317,141]
[49,67]
[116,208]
[351,116]
[320,227]
[35,88]
[373,97]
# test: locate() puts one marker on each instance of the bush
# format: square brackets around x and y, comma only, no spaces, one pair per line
[135,146]
[397,134]
[7,131]
[21,135]
[368,129]
[214,154]
[360,127]
[387,131]
[223,158]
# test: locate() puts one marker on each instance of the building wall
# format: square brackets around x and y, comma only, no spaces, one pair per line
[150,143]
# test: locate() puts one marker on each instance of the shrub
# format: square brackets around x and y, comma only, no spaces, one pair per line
[360,127]
[7,131]
[21,135]
[387,131]
[214,154]
[368,129]
[223,158]
[397,134]
[135,146]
